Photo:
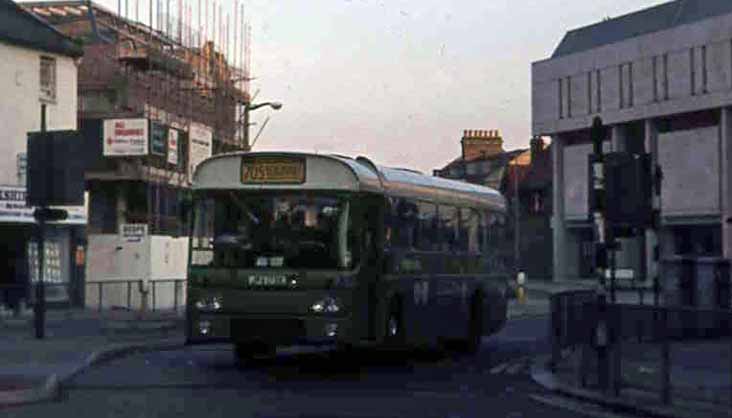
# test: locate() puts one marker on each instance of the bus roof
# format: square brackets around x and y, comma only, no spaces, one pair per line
[337,172]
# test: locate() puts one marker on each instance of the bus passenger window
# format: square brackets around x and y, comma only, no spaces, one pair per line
[469,225]
[448,228]
[427,231]
[405,225]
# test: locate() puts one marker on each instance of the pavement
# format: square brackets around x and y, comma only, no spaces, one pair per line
[33,370]
[700,375]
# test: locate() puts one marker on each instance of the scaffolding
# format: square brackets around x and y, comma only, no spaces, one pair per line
[178,68]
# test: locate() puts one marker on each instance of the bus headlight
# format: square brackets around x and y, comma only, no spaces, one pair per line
[210,303]
[328,305]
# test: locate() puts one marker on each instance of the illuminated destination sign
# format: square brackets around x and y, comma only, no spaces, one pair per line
[272,170]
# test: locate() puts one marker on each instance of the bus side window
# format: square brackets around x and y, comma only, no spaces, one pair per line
[427,230]
[448,227]
[469,230]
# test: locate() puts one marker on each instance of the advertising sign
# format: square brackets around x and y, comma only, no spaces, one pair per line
[125,137]
[173,146]
[158,139]
[200,146]
[13,208]
[133,232]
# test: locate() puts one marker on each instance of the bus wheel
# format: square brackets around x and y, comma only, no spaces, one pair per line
[394,332]
[475,325]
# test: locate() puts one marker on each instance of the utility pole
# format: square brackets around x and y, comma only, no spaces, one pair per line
[39,308]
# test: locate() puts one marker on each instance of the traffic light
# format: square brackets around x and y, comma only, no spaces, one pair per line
[628,190]
[55,169]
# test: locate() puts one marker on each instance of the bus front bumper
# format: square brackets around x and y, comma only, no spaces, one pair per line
[282,330]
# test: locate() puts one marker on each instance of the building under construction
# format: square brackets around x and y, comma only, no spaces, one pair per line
[158,93]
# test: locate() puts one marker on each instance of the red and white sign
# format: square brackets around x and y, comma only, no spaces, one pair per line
[125,137]
[173,146]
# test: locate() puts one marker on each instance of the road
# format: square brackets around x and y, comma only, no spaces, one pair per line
[206,381]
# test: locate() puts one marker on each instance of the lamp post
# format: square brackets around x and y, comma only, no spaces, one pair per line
[248,107]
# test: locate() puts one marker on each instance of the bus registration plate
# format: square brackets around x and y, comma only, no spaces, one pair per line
[272,170]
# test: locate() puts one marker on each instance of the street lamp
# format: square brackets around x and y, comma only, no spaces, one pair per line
[273,105]
[248,108]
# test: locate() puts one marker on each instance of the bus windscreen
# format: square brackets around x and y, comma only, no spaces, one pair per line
[290,231]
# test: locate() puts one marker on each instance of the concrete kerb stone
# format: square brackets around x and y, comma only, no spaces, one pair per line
[51,387]
[541,374]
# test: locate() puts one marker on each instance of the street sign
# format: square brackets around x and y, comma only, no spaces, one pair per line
[133,232]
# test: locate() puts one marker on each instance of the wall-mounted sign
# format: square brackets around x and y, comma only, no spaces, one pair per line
[200,140]
[158,139]
[272,170]
[173,146]
[125,137]
[132,232]
[13,208]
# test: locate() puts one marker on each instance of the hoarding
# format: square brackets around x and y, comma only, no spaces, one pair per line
[200,142]
[125,137]
[173,146]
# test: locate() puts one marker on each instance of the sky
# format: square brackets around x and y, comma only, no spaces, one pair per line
[399,80]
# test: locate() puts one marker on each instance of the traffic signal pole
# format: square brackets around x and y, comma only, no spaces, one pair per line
[603,235]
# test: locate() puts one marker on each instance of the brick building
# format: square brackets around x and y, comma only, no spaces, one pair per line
[153,103]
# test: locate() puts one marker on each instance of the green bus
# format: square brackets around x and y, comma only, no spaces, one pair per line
[295,248]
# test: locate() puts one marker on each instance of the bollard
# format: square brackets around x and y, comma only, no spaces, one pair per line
[665,360]
[129,295]
[99,308]
[520,290]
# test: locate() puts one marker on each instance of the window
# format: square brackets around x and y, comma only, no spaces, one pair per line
[599,92]
[655,78]
[48,78]
[621,87]
[569,97]
[630,84]
[692,64]
[427,237]
[448,226]
[561,99]
[705,76]
[589,92]
[665,76]
[469,231]
[402,225]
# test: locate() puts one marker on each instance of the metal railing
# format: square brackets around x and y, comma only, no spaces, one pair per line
[12,295]
[139,292]
[576,318]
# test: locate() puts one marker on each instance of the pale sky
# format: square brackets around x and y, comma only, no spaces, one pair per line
[399,80]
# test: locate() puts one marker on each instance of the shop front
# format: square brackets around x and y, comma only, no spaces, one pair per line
[64,249]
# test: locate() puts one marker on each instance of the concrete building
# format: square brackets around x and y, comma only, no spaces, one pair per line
[661,78]
[39,66]
[155,100]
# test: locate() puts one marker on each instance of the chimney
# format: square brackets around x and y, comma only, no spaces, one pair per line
[537,146]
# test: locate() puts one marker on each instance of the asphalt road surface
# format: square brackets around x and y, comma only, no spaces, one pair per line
[206,381]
